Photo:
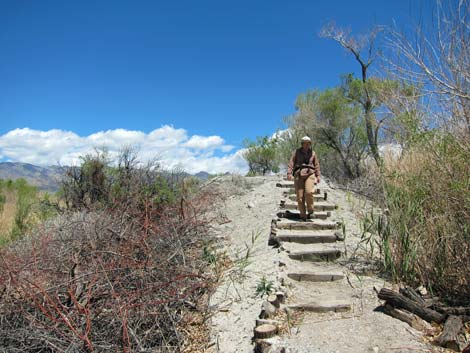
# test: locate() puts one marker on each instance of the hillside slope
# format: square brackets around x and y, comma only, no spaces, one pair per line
[45,178]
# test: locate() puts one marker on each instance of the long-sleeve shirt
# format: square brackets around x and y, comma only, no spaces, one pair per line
[313,162]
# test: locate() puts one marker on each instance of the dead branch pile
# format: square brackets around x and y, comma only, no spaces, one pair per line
[121,278]
[419,310]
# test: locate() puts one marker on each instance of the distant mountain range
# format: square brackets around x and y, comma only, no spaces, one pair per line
[45,178]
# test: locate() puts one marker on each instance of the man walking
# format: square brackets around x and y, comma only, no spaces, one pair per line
[304,169]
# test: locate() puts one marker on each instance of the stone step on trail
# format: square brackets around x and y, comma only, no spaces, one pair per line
[315,224]
[322,305]
[295,215]
[316,197]
[317,205]
[307,236]
[315,275]
[300,275]
[312,252]
[291,191]
[287,184]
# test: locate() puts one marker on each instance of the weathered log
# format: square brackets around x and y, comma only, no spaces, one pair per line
[459,310]
[273,299]
[260,322]
[431,302]
[399,301]
[410,293]
[453,334]
[281,296]
[267,310]
[266,346]
[411,319]
[262,346]
[265,331]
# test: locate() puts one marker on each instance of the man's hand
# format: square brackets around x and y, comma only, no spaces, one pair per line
[318,180]
[290,177]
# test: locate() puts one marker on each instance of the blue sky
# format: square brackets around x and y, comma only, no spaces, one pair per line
[228,69]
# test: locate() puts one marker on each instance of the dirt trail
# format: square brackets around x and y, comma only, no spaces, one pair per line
[294,269]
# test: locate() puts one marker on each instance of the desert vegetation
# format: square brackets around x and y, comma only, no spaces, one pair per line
[22,206]
[120,268]
[261,155]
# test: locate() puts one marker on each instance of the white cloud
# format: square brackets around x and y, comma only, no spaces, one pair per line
[170,146]
[202,142]
[227,148]
[280,134]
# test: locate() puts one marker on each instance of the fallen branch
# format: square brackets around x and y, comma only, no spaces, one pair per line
[399,301]
[453,334]
[411,319]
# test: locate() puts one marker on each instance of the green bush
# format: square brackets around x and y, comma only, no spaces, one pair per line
[26,200]
[26,208]
[101,183]
[261,156]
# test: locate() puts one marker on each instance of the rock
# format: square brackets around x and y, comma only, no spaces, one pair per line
[422,290]
[251,205]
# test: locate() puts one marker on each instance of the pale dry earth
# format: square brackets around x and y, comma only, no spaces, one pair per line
[248,210]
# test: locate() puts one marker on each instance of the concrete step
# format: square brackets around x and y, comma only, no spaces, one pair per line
[316,197]
[291,189]
[317,205]
[295,215]
[312,252]
[322,306]
[285,184]
[316,255]
[315,224]
[316,275]
[307,236]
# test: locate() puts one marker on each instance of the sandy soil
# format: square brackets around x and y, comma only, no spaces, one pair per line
[252,204]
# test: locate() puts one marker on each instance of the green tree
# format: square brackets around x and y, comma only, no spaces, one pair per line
[88,184]
[363,49]
[261,155]
[334,121]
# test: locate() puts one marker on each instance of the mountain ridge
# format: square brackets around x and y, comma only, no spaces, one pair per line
[48,178]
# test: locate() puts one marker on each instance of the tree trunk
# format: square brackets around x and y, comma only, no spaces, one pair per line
[399,301]
[453,334]
[265,331]
[370,119]
[411,319]
[347,167]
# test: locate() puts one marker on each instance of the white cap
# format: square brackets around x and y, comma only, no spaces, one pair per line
[305,139]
